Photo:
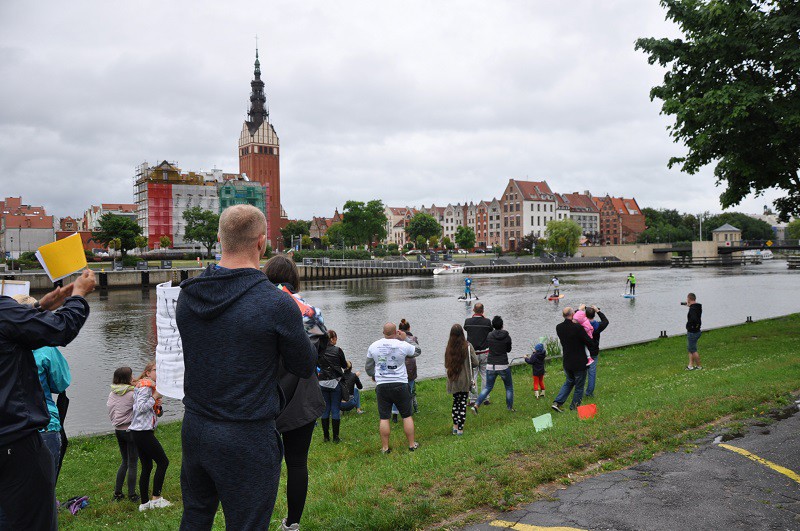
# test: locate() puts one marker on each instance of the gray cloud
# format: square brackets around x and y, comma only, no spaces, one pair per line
[410,102]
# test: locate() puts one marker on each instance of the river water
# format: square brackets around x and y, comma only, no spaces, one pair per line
[121,328]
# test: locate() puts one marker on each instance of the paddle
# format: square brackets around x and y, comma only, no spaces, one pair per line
[548,291]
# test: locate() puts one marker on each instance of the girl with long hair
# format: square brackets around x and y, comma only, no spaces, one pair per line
[146,410]
[459,358]
[120,412]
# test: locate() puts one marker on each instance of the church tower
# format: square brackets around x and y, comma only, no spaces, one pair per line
[259,155]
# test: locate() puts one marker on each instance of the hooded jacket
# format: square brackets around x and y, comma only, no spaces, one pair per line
[120,406]
[693,318]
[499,342]
[22,330]
[536,360]
[236,326]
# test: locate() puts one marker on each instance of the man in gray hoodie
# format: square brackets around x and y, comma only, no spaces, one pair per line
[236,327]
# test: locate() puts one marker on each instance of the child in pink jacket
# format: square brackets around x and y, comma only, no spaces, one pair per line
[581,319]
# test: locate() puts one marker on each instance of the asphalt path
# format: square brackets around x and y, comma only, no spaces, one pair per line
[749,482]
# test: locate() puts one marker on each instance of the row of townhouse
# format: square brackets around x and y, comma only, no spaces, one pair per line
[524,208]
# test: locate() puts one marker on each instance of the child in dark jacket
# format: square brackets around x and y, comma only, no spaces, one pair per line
[536,361]
[351,396]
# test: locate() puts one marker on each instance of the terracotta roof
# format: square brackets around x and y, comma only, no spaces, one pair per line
[535,190]
[398,211]
[12,221]
[399,224]
[581,202]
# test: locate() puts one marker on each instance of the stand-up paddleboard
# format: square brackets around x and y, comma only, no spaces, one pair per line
[628,296]
[553,298]
[464,299]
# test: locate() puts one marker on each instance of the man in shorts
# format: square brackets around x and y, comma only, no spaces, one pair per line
[386,364]
[693,324]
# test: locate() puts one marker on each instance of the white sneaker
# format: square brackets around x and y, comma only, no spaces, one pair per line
[144,506]
[293,527]
[159,503]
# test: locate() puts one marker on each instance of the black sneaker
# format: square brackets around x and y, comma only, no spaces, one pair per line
[135,497]
[557,407]
[387,451]
[688,368]
[573,407]
[394,418]
[474,409]
[486,402]
[118,496]
[413,448]
[699,368]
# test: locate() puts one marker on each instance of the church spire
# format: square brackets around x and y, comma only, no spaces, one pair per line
[258,113]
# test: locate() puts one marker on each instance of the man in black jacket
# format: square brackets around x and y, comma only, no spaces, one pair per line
[236,328]
[478,328]
[693,324]
[574,340]
[27,468]
[591,312]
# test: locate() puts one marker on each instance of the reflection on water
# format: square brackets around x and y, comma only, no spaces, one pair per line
[121,328]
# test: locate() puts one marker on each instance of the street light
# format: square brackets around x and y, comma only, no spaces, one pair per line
[12,253]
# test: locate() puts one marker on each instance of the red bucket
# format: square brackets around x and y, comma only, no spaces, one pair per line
[586,412]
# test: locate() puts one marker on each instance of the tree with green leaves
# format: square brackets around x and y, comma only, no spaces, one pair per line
[447,243]
[202,226]
[164,242]
[364,223]
[305,241]
[336,235]
[734,91]
[422,243]
[563,236]
[141,243]
[296,229]
[528,242]
[433,241]
[423,225]
[793,230]
[112,227]
[325,241]
[465,237]
[752,228]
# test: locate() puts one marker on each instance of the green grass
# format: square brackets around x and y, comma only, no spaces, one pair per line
[646,403]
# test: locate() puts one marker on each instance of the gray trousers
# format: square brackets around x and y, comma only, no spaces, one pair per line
[480,369]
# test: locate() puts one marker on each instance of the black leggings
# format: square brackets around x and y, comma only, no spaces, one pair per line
[127,449]
[295,452]
[460,409]
[150,450]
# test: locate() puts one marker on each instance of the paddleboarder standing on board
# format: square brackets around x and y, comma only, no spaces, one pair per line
[555,284]
[468,288]
[632,283]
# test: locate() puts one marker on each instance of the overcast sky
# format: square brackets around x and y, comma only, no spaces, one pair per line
[409,102]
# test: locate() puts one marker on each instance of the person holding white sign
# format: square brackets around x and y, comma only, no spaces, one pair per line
[236,329]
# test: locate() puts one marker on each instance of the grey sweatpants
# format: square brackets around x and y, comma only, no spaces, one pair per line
[237,464]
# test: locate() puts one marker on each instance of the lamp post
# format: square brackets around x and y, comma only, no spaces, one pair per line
[12,253]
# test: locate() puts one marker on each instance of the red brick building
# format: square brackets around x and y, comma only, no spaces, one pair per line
[259,156]
[621,220]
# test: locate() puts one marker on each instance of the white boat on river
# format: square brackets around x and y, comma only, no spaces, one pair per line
[449,269]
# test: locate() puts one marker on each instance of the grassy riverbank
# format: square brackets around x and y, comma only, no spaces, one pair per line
[646,403]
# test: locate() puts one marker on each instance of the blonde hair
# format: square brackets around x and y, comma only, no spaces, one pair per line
[240,226]
[149,367]
[24,299]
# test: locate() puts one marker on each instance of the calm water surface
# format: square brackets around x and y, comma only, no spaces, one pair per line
[121,328]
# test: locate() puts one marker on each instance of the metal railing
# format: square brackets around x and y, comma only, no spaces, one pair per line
[363,264]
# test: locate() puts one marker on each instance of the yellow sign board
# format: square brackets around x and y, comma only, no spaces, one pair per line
[769,243]
[62,257]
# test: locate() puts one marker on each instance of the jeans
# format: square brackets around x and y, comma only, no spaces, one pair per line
[491,376]
[412,388]
[130,460]
[52,440]
[575,379]
[333,401]
[354,402]
[590,376]
[480,368]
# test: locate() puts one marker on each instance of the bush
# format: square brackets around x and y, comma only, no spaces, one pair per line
[380,253]
[129,261]
[349,254]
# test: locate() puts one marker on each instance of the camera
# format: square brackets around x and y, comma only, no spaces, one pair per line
[683,303]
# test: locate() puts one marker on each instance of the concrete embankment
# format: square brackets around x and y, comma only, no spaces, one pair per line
[145,279]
